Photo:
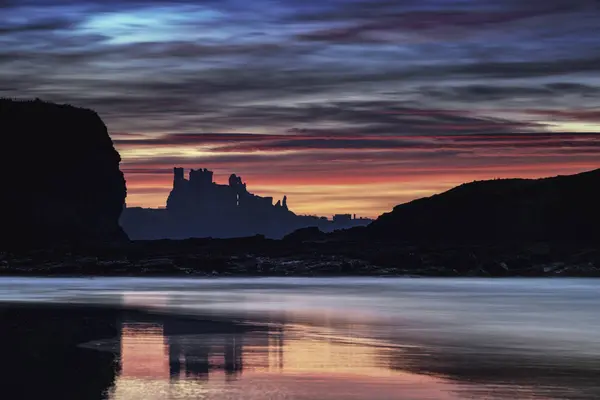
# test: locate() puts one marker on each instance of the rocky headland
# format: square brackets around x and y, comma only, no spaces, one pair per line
[561,208]
[60,177]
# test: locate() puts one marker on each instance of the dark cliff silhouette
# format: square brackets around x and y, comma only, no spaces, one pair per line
[42,357]
[60,176]
[558,208]
[199,207]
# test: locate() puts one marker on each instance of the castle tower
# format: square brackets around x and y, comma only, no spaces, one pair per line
[177,176]
[201,177]
[235,182]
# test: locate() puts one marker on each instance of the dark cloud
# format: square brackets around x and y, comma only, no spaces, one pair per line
[381,27]
[483,92]
[384,21]
[43,25]
[141,51]
[529,69]
[574,88]
[441,12]
[341,120]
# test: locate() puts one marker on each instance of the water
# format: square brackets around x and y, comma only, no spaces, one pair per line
[305,338]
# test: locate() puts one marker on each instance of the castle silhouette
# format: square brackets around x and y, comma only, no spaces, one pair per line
[201,194]
[199,207]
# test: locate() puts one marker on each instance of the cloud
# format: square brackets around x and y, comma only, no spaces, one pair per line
[575,115]
[42,25]
[319,91]
[367,124]
[381,28]
[389,21]
[491,93]
[525,69]
[574,88]
[321,143]
[187,139]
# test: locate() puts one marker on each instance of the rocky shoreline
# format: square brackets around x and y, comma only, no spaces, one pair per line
[257,257]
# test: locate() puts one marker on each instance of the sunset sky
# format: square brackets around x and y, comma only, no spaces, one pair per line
[344,105]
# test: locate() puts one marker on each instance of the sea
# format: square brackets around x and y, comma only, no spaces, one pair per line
[299,338]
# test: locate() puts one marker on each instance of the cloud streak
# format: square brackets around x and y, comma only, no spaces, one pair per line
[330,96]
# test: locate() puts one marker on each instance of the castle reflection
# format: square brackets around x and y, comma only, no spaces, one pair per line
[144,351]
[181,349]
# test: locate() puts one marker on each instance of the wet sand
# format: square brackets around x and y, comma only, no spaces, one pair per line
[155,343]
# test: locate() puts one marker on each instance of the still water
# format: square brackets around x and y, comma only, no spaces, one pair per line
[307,338]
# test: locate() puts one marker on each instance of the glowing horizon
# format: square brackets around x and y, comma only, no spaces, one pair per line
[372,199]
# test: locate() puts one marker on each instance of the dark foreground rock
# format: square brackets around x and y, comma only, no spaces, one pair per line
[60,176]
[257,256]
[41,354]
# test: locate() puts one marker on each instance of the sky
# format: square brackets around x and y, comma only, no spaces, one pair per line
[345,106]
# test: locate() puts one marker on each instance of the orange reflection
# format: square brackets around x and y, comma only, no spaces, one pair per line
[291,361]
[144,353]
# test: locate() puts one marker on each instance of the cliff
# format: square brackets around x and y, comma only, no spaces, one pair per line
[60,176]
[564,208]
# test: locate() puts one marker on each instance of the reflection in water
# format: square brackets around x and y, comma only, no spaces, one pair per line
[144,353]
[304,340]
[177,359]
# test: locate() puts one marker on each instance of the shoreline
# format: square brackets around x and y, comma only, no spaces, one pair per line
[198,276]
[261,257]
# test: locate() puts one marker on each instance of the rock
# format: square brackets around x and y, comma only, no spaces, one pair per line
[586,269]
[557,209]
[539,249]
[60,177]
[116,264]
[305,235]
[87,260]
[263,257]
[496,268]
[156,263]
